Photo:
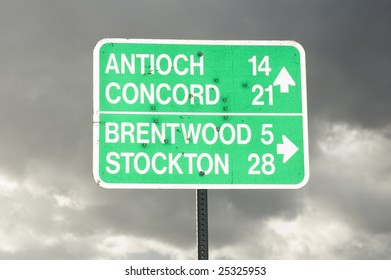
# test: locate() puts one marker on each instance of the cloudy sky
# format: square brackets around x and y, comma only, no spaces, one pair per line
[51,207]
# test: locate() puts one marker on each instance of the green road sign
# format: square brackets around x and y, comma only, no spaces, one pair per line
[200,114]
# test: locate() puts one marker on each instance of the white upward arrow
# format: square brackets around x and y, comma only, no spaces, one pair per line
[284,80]
[287,148]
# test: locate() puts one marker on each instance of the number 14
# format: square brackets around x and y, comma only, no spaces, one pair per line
[263,66]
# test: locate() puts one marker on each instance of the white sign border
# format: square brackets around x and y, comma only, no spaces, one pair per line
[96,114]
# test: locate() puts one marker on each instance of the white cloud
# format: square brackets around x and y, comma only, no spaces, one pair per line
[358,151]
[7,185]
[65,201]
[356,157]
[310,235]
[123,247]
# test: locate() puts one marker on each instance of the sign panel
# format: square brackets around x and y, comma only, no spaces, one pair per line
[200,114]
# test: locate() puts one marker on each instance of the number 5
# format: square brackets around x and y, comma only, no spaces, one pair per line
[267,132]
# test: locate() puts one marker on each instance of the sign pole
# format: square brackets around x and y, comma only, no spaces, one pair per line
[202,224]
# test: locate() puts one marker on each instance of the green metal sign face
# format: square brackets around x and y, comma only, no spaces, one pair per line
[200,114]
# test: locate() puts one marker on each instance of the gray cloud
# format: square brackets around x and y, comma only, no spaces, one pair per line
[235,211]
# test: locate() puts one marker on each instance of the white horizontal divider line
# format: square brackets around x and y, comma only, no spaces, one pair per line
[201,114]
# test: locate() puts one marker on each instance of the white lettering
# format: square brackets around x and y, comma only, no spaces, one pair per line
[127,157]
[108,97]
[174,162]
[223,128]
[155,132]
[176,68]
[168,64]
[135,93]
[158,96]
[142,62]
[223,165]
[160,163]
[209,90]
[112,64]
[180,94]
[241,128]
[194,64]
[196,91]
[173,127]
[191,133]
[185,94]
[127,129]
[147,163]
[111,129]
[209,163]
[141,131]
[138,64]
[213,132]
[125,62]
[161,135]
[111,161]
[190,156]
[154,167]
[144,92]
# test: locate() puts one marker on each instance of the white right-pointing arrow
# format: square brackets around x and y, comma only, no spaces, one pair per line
[287,148]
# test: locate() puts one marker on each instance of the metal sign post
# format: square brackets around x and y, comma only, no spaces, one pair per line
[202,224]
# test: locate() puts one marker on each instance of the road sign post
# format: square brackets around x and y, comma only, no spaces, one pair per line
[202,224]
[200,114]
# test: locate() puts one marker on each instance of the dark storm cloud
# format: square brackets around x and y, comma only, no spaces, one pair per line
[44,86]
[347,65]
